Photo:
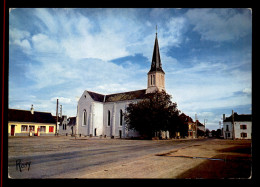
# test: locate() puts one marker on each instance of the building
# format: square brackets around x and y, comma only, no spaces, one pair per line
[67,125]
[30,122]
[102,115]
[189,126]
[242,128]
[200,126]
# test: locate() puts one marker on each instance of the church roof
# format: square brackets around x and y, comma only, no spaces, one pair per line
[96,96]
[137,94]
[156,60]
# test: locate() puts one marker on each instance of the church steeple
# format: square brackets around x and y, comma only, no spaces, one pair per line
[156,60]
[156,74]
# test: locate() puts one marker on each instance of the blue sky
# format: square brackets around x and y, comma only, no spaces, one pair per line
[58,53]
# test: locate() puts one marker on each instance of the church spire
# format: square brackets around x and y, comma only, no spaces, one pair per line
[156,60]
[155,79]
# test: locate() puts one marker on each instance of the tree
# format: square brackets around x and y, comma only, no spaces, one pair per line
[156,112]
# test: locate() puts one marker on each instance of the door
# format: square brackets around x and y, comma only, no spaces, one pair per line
[95,132]
[120,134]
[12,130]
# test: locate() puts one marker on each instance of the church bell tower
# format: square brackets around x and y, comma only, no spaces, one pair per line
[156,81]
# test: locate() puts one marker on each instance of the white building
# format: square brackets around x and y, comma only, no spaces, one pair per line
[99,114]
[242,126]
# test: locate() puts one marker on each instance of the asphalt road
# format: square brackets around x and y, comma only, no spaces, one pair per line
[67,157]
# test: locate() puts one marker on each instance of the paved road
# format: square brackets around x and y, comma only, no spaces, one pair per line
[65,157]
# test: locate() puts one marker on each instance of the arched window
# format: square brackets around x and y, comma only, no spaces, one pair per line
[121,117]
[153,79]
[108,118]
[84,121]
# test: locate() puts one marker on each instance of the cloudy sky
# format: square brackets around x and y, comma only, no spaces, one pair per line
[58,53]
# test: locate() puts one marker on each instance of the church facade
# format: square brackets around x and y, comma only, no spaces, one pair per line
[102,115]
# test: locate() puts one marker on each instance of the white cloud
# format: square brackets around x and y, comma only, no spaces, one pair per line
[247,90]
[43,44]
[61,99]
[220,24]
[20,38]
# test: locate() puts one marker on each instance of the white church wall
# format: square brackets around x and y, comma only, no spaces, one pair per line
[97,129]
[84,103]
[115,129]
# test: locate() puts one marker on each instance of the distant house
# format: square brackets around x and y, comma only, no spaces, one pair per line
[30,122]
[190,125]
[62,124]
[67,125]
[242,126]
[72,125]
[201,129]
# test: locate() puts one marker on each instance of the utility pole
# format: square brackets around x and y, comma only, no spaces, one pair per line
[60,114]
[196,121]
[205,121]
[57,117]
[233,125]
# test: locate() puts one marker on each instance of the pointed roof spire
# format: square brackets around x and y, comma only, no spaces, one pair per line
[156,60]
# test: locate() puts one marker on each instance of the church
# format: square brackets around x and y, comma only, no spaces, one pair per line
[102,115]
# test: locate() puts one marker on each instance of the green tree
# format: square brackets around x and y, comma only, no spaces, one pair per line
[153,114]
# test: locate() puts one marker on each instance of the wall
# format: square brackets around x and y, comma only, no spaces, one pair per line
[18,126]
[114,128]
[97,116]
[225,130]
[238,131]
[84,103]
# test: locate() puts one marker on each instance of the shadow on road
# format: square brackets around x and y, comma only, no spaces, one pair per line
[231,163]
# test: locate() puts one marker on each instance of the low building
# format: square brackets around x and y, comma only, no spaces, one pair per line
[72,125]
[67,126]
[201,126]
[30,122]
[242,126]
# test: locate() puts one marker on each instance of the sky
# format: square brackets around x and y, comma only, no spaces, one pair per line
[57,53]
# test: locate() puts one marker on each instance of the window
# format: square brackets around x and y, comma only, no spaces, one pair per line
[227,129]
[84,121]
[51,128]
[243,135]
[243,127]
[31,128]
[108,118]
[43,128]
[65,127]
[24,128]
[153,79]
[121,117]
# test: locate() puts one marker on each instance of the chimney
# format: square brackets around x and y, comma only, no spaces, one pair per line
[32,110]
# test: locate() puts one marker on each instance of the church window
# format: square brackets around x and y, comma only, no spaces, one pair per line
[153,79]
[108,118]
[84,118]
[121,117]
